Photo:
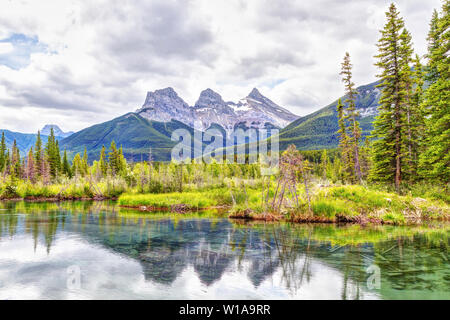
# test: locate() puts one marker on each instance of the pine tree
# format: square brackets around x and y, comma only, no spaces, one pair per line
[38,152]
[433,45]
[30,167]
[103,164]
[45,168]
[435,160]
[365,157]
[354,128]
[416,119]
[409,167]
[113,158]
[344,145]
[2,152]
[84,162]
[53,154]
[65,167]
[390,126]
[77,165]
[16,168]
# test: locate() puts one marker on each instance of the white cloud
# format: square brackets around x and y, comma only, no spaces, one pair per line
[102,56]
[6,47]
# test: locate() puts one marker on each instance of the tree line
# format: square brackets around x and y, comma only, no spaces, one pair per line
[44,162]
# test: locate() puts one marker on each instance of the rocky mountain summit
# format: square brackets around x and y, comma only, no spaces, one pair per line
[56,130]
[253,111]
[164,105]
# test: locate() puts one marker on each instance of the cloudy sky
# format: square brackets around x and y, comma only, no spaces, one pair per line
[77,63]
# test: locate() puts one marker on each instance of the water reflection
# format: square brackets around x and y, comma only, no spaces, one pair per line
[123,254]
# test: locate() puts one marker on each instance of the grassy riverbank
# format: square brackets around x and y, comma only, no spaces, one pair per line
[348,203]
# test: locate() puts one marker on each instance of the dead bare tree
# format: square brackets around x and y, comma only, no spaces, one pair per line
[291,164]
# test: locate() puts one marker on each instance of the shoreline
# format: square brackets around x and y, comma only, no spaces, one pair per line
[57,199]
[245,215]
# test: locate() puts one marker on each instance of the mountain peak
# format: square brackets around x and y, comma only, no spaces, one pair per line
[56,130]
[164,105]
[168,92]
[48,127]
[209,97]
[255,94]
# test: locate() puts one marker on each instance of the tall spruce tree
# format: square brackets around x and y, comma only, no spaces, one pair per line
[433,45]
[2,152]
[390,126]
[16,167]
[30,171]
[352,114]
[409,165]
[102,162]
[65,166]
[53,154]
[84,162]
[38,153]
[435,160]
[344,145]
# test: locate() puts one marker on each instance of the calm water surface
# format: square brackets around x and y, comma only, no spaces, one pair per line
[91,250]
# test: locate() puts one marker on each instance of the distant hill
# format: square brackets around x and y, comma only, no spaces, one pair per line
[24,140]
[135,133]
[318,130]
[27,140]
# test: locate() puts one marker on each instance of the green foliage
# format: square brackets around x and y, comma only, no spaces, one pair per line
[395,146]
[435,160]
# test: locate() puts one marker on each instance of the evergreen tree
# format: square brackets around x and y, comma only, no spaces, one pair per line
[409,166]
[84,162]
[2,152]
[354,128]
[38,152]
[45,168]
[415,119]
[435,160]
[114,158]
[344,145]
[53,154]
[16,168]
[65,168]
[365,157]
[77,165]
[30,167]
[390,126]
[102,162]
[433,45]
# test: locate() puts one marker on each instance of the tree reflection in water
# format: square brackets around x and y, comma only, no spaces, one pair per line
[412,260]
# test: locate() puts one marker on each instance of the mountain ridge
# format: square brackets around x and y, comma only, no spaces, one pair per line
[255,110]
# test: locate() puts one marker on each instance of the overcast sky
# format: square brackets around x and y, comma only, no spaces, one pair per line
[77,63]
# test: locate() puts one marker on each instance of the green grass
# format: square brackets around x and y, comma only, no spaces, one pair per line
[64,189]
[354,200]
[192,199]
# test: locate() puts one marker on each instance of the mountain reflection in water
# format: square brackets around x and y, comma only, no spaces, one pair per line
[124,255]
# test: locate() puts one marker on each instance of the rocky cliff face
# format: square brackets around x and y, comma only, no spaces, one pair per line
[253,111]
[164,105]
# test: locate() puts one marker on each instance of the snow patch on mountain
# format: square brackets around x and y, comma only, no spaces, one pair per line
[56,130]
